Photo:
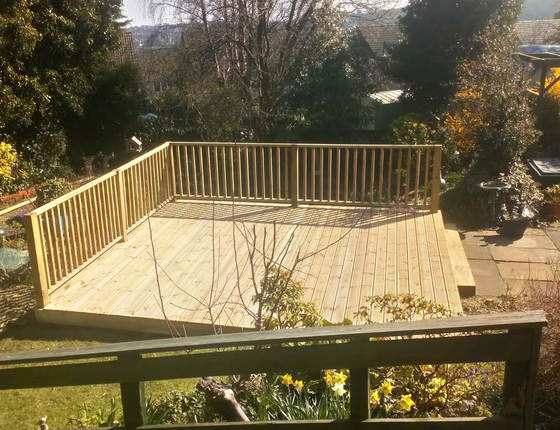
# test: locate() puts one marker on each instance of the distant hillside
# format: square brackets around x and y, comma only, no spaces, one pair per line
[540,9]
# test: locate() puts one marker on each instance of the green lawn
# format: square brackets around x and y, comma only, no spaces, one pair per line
[21,409]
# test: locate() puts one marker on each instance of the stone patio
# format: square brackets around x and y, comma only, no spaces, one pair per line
[498,263]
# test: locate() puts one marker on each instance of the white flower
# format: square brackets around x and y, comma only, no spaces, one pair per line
[338,388]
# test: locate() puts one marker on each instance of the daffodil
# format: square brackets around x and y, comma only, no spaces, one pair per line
[338,388]
[406,402]
[340,378]
[374,397]
[329,379]
[298,385]
[287,380]
[387,387]
[435,385]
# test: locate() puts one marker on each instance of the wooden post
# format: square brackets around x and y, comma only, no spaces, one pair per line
[520,382]
[542,86]
[294,167]
[35,244]
[436,178]
[133,398]
[359,393]
[171,168]
[123,213]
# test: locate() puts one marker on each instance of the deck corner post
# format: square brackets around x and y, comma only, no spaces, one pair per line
[520,381]
[359,392]
[133,398]
[436,178]
[36,257]
[294,174]
[122,205]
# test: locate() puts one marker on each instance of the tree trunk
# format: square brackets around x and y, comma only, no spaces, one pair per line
[222,399]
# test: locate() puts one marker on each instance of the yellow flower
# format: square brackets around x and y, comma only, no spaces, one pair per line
[298,385]
[338,388]
[374,397]
[387,387]
[329,379]
[340,378]
[435,384]
[406,402]
[287,380]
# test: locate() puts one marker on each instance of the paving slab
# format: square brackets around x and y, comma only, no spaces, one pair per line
[477,252]
[516,286]
[524,255]
[527,241]
[484,268]
[533,271]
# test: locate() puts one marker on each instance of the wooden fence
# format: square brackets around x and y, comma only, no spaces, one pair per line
[67,233]
[513,338]
[71,231]
[357,175]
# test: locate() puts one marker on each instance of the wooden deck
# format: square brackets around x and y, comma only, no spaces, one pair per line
[352,253]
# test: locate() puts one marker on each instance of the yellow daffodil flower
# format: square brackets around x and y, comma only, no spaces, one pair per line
[340,378]
[406,402]
[298,385]
[329,379]
[387,387]
[287,380]
[374,397]
[338,388]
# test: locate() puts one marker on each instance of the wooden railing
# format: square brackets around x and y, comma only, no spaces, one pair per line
[357,175]
[513,338]
[66,233]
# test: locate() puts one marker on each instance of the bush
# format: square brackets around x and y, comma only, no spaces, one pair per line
[52,189]
[411,130]
[12,176]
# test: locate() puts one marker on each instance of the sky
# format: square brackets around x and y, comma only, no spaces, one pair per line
[134,10]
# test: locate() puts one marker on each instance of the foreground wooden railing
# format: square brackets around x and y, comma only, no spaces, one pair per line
[513,338]
[357,175]
[65,234]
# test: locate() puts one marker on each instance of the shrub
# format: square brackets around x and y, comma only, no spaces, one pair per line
[52,189]
[99,418]
[411,130]
[12,176]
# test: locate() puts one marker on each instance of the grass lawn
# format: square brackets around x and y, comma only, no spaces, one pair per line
[21,409]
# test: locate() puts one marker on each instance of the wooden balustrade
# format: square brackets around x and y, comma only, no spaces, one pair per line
[359,175]
[513,338]
[66,233]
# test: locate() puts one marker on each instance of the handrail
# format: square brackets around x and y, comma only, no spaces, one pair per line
[461,324]
[312,173]
[73,229]
[393,345]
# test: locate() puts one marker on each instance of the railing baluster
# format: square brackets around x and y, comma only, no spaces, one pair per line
[263,173]
[436,179]
[239,170]
[399,164]
[211,175]
[187,171]
[286,174]
[337,174]
[271,172]
[390,177]
[232,172]
[202,177]
[313,171]
[329,179]
[255,174]
[278,173]
[372,184]
[426,178]
[381,168]
[196,193]
[177,151]
[321,174]
[364,164]
[355,176]
[407,177]
[346,173]
[417,183]
[294,167]
[305,177]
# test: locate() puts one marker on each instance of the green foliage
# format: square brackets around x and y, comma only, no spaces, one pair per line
[52,189]
[45,154]
[281,300]
[426,61]
[100,418]
[325,99]
[411,130]
[553,193]
[179,407]
[110,111]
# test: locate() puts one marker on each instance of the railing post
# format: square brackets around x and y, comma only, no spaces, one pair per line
[520,381]
[359,393]
[173,182]
[294,174]
[436,178]
[123,213]
[35,244]
[133,398]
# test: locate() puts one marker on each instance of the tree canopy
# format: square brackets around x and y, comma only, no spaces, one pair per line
[438,35]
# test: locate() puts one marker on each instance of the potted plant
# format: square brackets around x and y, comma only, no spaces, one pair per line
[552,201]
[516,221]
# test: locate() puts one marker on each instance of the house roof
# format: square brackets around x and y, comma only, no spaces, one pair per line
[124,51]
[538,32]
[387,97]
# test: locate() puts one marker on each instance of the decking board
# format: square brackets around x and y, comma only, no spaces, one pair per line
[352,253]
